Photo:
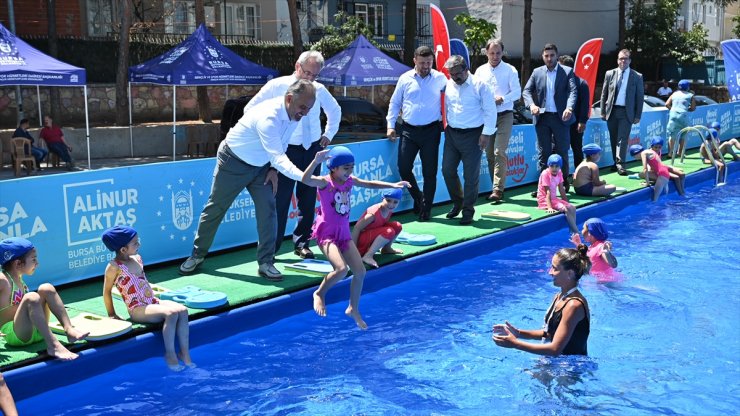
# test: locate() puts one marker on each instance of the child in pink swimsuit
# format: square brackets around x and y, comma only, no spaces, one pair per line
[603,261]
[126,272]
[374,231]
[662,174]
[551,180]
[331,229]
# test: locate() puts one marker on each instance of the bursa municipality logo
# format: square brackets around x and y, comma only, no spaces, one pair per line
[178,203]
[94,206]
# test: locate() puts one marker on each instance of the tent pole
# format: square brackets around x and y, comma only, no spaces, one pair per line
[345,90]
[372,94]
[130,122]
[87,130]
[38,99]
[174,115]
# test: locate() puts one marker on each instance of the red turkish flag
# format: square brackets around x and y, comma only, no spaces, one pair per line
[587,64]
[440,38]
[441,49]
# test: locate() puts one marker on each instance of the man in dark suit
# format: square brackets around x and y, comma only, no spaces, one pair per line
[551,96]
[621,106]
[581,113]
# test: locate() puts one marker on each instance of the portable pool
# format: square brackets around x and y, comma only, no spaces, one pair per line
[663,339]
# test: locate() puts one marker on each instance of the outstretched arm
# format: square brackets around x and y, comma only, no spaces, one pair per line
[308,178]
[380,184]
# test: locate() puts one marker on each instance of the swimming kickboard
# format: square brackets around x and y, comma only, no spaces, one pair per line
[507,215]
[621,189]
[416,239]
[100,327]
[156,290]
[314,266]
[195,297]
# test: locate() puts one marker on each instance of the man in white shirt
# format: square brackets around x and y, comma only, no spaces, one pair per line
[471,120]
[306,140]
[244,158]
[418,98]
[503,79]
[665,91]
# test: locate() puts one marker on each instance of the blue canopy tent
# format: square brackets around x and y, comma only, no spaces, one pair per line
[361,64]
[199,60]
[22,64]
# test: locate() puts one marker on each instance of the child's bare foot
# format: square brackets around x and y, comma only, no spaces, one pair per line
[318,304]
[74,335]
[370,261]
[173,363]
[390,250]
[356,316]
[185,358]
[57,350]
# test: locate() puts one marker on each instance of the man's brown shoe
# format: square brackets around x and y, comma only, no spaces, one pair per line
[496,196]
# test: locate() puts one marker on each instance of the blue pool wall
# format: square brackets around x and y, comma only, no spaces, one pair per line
[25,382]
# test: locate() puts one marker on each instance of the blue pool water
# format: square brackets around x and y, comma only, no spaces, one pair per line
[664,340]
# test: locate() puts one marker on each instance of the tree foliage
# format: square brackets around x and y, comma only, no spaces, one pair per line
[477,31]
[337,38]
[736,28]
[652,33]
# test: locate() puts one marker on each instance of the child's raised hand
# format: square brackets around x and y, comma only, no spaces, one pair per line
[607,246]
[575,239]
[402,184]
[321,155]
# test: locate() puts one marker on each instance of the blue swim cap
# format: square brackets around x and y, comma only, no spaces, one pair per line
[715,125]
[117,237]
[395,193]
[713,134]
[636,149]
[338,156]
[597,228]
[555,160]
[14,248]
[684,84]
[591,149]
[656,141]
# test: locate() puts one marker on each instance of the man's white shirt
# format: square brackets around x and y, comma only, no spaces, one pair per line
[470,105]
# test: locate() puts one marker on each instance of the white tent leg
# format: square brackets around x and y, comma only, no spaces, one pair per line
[38,99]
[345,91]
[174,115]
[130,121]
[87,130]
[372,94]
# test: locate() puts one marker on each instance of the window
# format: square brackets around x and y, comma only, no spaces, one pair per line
[704,14]
[243,19]
[372,15]
[99,17]
[179,16]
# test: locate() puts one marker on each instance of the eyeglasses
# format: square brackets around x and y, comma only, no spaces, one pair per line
[309,74]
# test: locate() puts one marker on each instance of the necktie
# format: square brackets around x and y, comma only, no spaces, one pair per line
[619,81]
[307,138]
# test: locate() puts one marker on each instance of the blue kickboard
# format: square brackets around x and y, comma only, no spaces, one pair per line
[416,239]
[194,297]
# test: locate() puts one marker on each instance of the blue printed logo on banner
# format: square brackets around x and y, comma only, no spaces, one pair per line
[92,207]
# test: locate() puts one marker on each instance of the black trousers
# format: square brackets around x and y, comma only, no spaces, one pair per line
[305,197]
[576,145]
[422,141]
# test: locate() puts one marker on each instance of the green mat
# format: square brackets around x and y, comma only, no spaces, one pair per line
[235,272]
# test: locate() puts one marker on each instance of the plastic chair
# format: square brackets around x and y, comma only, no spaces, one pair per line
[52,159]
[21,154]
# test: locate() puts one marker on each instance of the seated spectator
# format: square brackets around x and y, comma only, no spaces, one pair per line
[665,91]
[22,131]
[54,138]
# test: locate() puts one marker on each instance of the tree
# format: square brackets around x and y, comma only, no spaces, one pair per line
[122,64]
[204,106]
[477,31]
[736,29]
[527,46]
[652,34]
[51,14]
[409,29]
[295,28]
[622,23]
[337,38]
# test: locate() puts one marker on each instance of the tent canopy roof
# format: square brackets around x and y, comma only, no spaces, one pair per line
[361,64]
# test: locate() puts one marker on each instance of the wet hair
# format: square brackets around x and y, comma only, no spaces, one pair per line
[566,60]
[575,259]
[550,47]
[423,51]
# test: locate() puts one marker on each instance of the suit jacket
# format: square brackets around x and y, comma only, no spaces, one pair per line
[582,101]
[634,96]
[565,91]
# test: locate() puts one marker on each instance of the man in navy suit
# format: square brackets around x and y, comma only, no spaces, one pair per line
[581,113]
[551,96]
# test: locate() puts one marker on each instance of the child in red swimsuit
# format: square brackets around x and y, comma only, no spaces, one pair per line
[374,231]
[126,272]
[652,160]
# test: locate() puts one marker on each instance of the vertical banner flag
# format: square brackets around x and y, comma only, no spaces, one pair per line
[457,47]
[587,64]
[731,52]
[441,49]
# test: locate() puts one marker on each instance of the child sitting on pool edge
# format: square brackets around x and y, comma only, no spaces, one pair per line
[586,179]
[551,179]
[662,175]
[126,272]
[599,253]
[374,231]
[24,315]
